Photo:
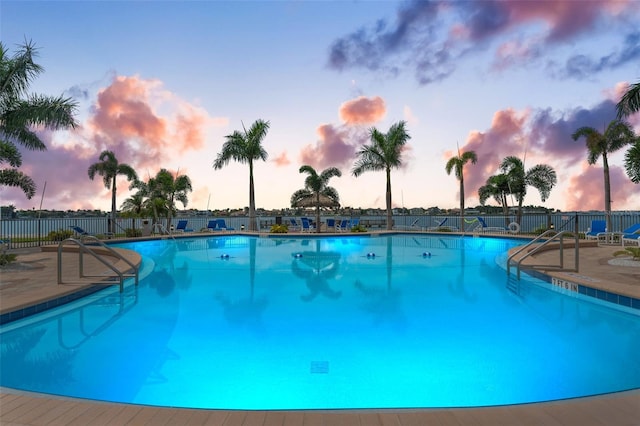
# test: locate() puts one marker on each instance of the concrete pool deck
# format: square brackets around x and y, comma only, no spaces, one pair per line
[34,281]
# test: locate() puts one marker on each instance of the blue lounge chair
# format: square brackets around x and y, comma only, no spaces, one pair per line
[345,225]
[597,229]
[442,225]
[483,227]
[212,225]
[631,235]
[182,226]
[306,225]
[222,225]
[79,230]
[331,224]
[293,224]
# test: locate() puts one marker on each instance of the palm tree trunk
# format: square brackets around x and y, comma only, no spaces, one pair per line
[607,191]
[252,200]
[112,225]
[461,203]
[317,212]
[389,216]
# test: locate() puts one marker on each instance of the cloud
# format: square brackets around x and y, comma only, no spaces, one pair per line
[144,124]
[431,37]
[363,110]
[282,159]
[336,147]
[585,191]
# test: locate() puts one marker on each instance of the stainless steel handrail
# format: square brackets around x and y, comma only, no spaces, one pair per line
[83,248]
[560,235]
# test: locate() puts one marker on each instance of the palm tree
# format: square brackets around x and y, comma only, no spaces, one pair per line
[457,164]
[316,186]
[245,147]
[384,153]
[109,168]
[617,134]
[630,102]
[19,113]
[496,187]
[632,162]
[541,176]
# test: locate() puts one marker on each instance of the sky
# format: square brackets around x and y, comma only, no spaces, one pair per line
[161,83]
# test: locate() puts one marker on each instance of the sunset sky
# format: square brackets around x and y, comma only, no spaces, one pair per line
[161,83]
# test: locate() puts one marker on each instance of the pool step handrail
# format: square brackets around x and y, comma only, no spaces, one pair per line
[83,248]
[552,236]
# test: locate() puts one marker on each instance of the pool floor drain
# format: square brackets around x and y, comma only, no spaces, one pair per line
[319,367]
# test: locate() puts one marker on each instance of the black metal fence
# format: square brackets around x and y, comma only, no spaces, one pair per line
[23,233]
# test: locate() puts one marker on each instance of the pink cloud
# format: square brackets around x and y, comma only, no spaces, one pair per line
[282,159]
[363,110]
[336,147]
[586,190]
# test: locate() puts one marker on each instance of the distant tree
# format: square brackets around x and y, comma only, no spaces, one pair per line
[630,102]
[496,187]
[134,205]
[457,163]
[316,186]
[617,135]
[20,113]
[109,168]
[245,147]
[632,162]
[384,153]
[541,176]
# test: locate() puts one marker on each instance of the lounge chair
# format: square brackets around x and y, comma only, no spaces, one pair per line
[293,224]
[331,224]
[413,226]
[483,227]
[79,230]
[306,225]
[631,235]
[442,226]
[182,226]
[212,225]
[355,222]
[633,239]
[597,230]
[222,225]
[344,226]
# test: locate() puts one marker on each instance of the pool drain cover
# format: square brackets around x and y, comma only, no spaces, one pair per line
[319,367]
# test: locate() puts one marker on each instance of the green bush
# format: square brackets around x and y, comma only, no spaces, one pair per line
[7,258]
[130,232]
[358,228]
[59,235]
[279,229]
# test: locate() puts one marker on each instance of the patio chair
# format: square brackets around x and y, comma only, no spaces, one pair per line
[306,225]
[293,224]
[331,224]
[344,226]
[483,227]
[597,230]
[79,230]
[182,226]
[222,225]
[631,235]
[212,226]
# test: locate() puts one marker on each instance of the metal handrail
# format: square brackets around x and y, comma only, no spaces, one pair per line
[83,248]
[560,235]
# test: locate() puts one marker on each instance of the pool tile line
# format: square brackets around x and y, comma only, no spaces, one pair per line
[596,293]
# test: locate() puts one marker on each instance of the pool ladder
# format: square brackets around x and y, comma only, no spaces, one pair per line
[552,236]
[84,248]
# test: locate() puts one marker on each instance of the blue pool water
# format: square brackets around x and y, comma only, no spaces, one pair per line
[237,322]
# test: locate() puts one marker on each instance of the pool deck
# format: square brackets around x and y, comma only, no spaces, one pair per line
[33,280]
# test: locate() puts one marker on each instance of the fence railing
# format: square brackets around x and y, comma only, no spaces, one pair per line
[23,233]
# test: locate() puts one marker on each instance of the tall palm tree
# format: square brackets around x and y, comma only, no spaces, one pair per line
[630,101]
[315,186]
[20,113]
[384,153]
[632,162]
[457,163]
[616,135]
[541,176]
[496,187]
[109,168]
[245,147]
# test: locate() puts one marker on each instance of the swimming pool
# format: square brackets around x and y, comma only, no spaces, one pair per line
[396,321]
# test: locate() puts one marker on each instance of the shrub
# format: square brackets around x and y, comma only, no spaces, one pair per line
[279,229]
[634,252]
[59,235]
[130,232]
[6,258]
[358,228]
